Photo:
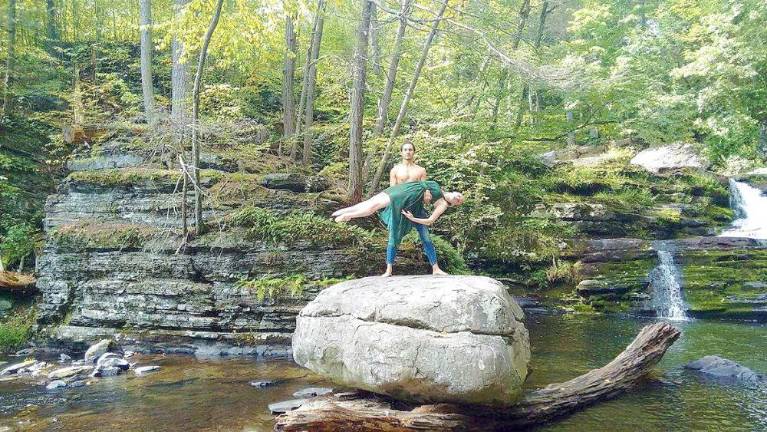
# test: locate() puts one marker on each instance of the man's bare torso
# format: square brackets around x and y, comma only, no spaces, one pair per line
[402,173]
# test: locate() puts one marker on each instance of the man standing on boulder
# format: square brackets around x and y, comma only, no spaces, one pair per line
[408,171]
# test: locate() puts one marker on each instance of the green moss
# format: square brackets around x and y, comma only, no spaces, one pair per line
[16,329]
[298,227]
[292,286]
[137,176]
[82,236]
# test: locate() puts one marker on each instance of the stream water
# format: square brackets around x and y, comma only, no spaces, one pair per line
[666,284]
[215,395]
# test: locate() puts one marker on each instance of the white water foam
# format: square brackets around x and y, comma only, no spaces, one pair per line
[750,207]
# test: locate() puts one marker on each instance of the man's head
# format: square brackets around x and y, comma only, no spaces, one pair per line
[407,150]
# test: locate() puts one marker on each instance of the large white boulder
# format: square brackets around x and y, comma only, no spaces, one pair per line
[669,157]
[453,339]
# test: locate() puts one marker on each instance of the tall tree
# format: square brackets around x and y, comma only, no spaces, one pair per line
[526,94]
[406,99]
[288,99]
[312,83]
[195,114]
[383,103]
[374,45]
[357,107]
[318,19]
[10,58]
[524,12]
[51,25]
[147,88]
[179,82]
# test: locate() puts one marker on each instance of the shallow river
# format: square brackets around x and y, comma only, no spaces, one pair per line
[190,394]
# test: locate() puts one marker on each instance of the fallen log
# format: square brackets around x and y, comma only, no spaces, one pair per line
[16,281]
[361,411]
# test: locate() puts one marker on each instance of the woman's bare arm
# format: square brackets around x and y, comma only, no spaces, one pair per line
[439,207]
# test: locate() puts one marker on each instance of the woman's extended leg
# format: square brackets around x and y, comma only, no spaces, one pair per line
[365,208]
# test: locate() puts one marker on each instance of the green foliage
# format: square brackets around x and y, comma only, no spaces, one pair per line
[15,329]
[81,236]
[18,242]
[448,257]
[275,287]
[299,227]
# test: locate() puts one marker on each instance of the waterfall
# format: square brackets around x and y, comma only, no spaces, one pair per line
[750,207]
[666,284]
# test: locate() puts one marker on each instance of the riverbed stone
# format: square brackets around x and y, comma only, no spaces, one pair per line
[97,349]
[724,369]
[285,406]
[112,360]
[15,368]
[312,392]
[141,370]
[68,372]
[453,339]
[55,384]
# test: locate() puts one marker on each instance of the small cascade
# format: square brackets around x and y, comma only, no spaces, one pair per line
[666,283]
[750,207]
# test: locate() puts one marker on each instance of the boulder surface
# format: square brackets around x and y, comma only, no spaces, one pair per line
[456,339]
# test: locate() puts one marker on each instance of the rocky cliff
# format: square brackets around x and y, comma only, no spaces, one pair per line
[112,262]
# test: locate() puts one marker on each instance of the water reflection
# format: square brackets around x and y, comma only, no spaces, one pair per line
[193,395]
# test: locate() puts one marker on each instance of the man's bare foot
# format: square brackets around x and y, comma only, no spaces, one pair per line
[386,274]
[439,272]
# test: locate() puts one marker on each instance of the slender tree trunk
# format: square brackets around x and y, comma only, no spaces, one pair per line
[200,227]
[305,79]
[288,100]
[571,133]
[179,84]
[51,27]
[146,61]
[357,108]
[311,84]
[524,12]
[9,59]
[383,106]
[763,139]
[526,91]
[374,40]
[406,99]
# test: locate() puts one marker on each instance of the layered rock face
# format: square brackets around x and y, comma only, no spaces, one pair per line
[112,263]
[421,338]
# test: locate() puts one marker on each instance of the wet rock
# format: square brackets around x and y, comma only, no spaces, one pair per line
[96,350]
[106,371]
[77,383]
[68,372]
[109,362]
[141,370]
[755,285]
[669,157]
[312,392]
[55,384]
[26,352]
[285,406]
[15,368]
[294,182]
[263,384]
[379,334]
[105,161]
[723,369]
[63,358]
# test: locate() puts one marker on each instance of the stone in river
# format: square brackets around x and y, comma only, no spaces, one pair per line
[15,368]
[68,372]
[262,384]
[457,339]
[55,384]
[724,369]
[312,392]
[112,360]
[285,406]
[145,369]
[106,371]
[97,349]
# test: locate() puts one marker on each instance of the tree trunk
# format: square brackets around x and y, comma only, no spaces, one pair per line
[179,113]
[524,12]
[305,78]
[374,39]
[200,226]
[146,61]
[288,99]
[383,106]
[406,99]
[571,133]
[365,412]
[51,27]
[312,83]
[538,38]
[357,107]
[763,139]
[9,59]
